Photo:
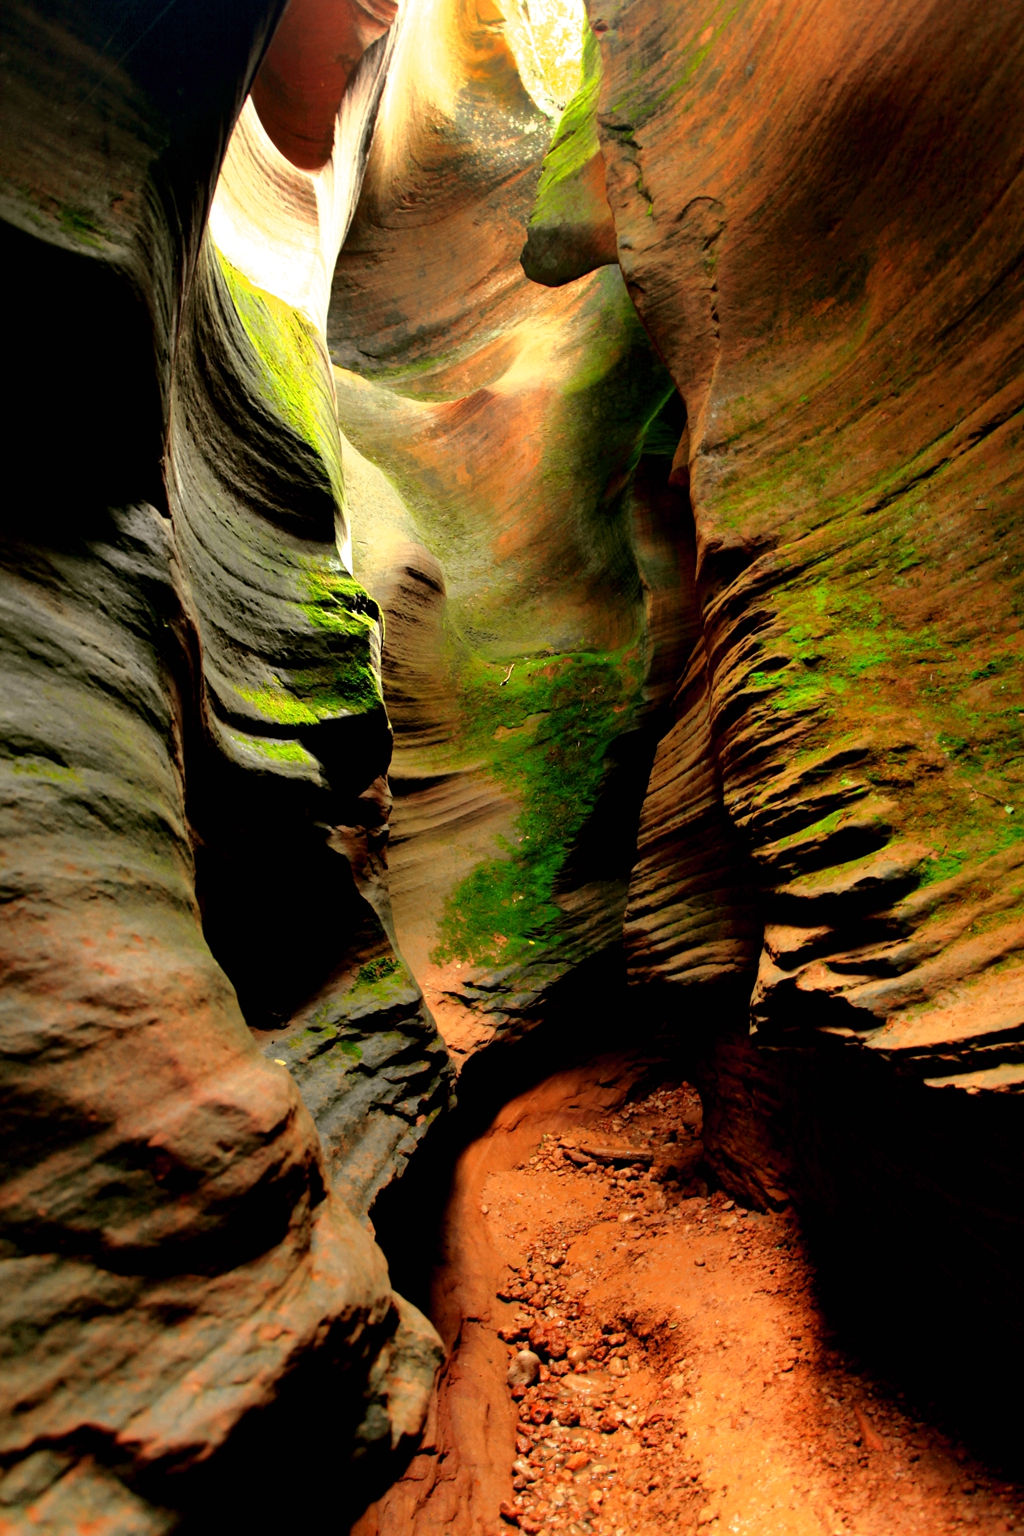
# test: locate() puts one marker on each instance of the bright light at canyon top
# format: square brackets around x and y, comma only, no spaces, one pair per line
[339,73]
[319,43]
[294,169]
[546,37]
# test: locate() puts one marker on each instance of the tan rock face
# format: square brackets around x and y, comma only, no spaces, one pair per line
[701,580]
[510,543]
[845,332]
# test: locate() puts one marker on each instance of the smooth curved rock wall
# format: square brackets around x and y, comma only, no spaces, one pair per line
[508,421]
[297,741]
[760,559]
[816,213]
[845,332]
[181,641]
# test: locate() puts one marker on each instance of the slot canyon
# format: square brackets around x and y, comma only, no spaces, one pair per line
[512,985]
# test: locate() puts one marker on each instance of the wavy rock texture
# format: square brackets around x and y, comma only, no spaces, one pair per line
[817,217]
[507,420]
[193,729]
[300,915]
[701,654]
[847,341]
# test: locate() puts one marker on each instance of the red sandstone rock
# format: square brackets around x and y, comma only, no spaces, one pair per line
[313,55]
[844,350]
[506,418]
[838,302]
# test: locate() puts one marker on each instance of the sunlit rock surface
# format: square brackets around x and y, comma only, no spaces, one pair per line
[846,336]
[571,229]
[507,541]
[817,216]
[655,614]
[293,665]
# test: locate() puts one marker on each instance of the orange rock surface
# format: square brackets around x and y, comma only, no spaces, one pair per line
[845,332]
[672,537]
[689,1379]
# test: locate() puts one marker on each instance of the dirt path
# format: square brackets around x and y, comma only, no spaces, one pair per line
[687,1381]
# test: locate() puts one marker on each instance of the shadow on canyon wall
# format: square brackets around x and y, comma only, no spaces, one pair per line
[909,1200]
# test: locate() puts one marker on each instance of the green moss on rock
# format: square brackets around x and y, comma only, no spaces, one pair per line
[279,751]
[295,368]
[377,970]
[341,686]
[573,707]
[575,143]
[339,604]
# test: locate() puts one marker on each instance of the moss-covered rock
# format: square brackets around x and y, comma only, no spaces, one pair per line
[571,229]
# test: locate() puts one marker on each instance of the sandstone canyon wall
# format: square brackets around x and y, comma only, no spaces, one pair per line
[817,216]
[520,658]
[654,617]
[184,656]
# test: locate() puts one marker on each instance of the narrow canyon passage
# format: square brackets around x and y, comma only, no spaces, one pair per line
[512,768]
[629,1353]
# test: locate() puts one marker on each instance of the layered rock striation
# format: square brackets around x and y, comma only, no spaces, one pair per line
[815,218]
[657,606]
[847,342]
[194,744]
[507,540]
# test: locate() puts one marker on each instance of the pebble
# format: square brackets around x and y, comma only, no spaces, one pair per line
[524,1370]
[556,1491]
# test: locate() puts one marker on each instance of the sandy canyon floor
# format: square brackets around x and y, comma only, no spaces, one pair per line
[689,1381]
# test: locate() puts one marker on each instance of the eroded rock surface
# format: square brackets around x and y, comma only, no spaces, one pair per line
[522,646]
[833,820]
[829,843]
[191,685]
[849,359]
[676,551]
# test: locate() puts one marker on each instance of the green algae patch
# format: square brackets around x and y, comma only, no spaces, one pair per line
[576,706]
[943,866]
[280,751]
[345,677]
[574,145]
[44,768]
[275,703]
[342,686]
[293,366]
[80,225]
[377,970]
[338,603]
[349,683]
[848,647]
[348,688]
[817,829]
